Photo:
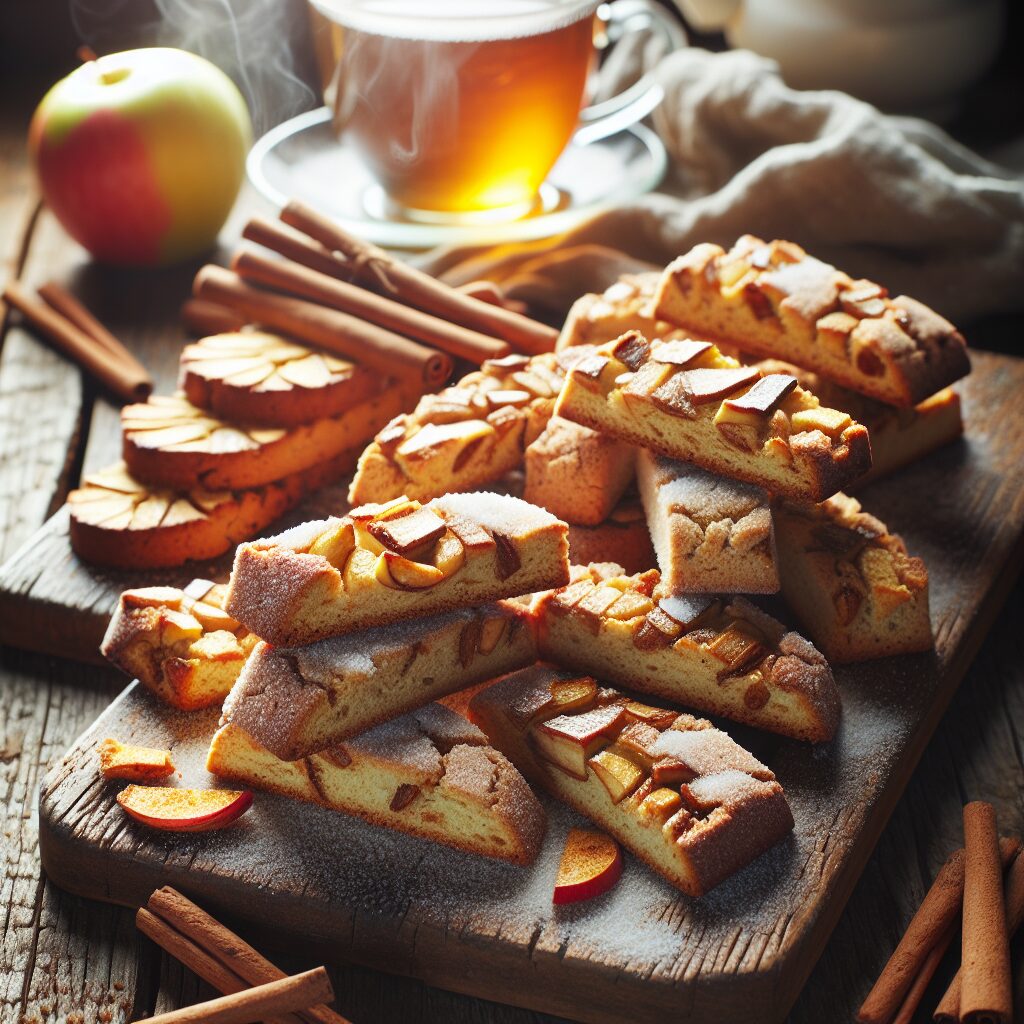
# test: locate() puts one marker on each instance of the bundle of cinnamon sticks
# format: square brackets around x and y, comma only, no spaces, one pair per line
[969,889]
[328,288]
[254,988]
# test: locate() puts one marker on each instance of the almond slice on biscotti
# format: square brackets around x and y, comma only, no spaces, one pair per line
[429,773]
[678,793]
[400,560]
[773,299]
[685,400]
[169,442]
[118,521]
[251,376]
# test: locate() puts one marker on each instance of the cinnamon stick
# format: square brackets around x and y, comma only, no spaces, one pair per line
[197,960]
[205,318]
[254,1004]
[933,924]
[349,298]
[986,993]
[345,335]
[293,245]
[948,1010]
[225,946]
[126,378]
[367,263]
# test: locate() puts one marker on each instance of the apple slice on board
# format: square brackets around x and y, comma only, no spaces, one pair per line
[591,864]
[184,810]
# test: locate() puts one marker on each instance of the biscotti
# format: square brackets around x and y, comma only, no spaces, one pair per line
[772,299]
[119,521]
[685,400]
[678,793]
[384,563]
[180,644]
[627,305]
[298,700]
[466,435]
[577,473]
[429,773]
[851,582]
[169,442]
[721,655]
[710,533]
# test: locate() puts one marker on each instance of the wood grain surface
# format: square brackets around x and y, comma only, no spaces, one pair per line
[644,952]
[65,958]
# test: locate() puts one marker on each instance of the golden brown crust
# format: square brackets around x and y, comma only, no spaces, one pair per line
[118,521]
[772,299]
[251,376]
[627,305]
[685,400]
[718,807]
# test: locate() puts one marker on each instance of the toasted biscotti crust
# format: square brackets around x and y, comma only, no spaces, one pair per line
[710,534]
[685,400]
[297,700]
[180,644]
[721,655]
[429,773]
[772,299]
[119,521]
[341,575]
[576,473]
[252,376]
[627,305]
[851,582]
[678,793]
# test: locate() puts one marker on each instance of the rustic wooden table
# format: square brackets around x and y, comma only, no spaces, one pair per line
[68,959]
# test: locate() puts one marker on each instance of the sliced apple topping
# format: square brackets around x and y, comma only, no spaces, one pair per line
[571,694]
[409,535]
[660,804]
[591,864]
[449,555]
[335,545]
[137,764]
[184,810]
[568,740]
[491,631]
[400,573]
[618,774]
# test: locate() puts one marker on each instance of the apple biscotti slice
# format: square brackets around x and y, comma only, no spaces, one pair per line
[851,582]
[180,644]
[772,299]
[684,399]
[429,773]
[680,794]
[402,560]
[718,654]
[297,700]
[710,533]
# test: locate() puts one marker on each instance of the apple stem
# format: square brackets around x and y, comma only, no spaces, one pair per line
[85,54]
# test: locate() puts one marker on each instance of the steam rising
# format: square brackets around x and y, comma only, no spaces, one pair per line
[262,44]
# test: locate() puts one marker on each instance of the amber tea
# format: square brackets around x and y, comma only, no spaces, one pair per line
[465,108]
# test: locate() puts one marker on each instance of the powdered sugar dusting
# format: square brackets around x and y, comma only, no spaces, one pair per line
[705,751]
[499,513]
[705,496]
[298,538]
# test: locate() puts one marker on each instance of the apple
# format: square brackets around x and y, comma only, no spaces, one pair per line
[591,864]
[568,740]
[184,810]
[141,154]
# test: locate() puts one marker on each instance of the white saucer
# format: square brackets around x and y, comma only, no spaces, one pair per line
[302,159]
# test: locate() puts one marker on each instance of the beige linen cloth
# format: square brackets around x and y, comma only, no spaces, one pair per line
[892,199]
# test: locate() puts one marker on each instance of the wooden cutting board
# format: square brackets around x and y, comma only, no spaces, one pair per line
[298,876]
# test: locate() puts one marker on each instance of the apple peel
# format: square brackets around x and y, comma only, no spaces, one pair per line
[184,810]
[591,864]
[136,764]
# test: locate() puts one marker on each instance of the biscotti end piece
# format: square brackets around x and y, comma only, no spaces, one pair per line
[401,560]
[710,534]
[678,793]
[851,582]
[772,299]
[429,773]
[686,400]
[297,700]
[466,435]
[180,644]
[719,654]
[622,538]
[627,305]
[577,473]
